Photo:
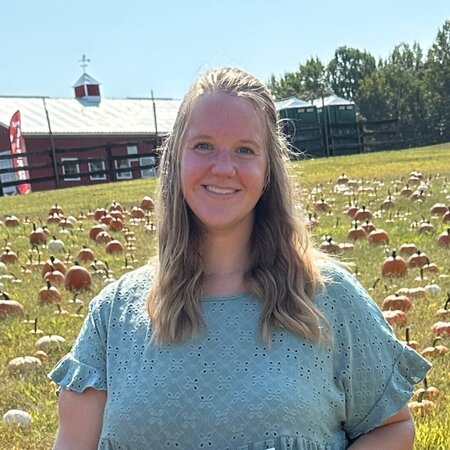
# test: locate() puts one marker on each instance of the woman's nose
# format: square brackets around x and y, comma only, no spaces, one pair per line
[223,164]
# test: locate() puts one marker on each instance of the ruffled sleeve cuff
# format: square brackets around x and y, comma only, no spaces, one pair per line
[76,376]
[410,369]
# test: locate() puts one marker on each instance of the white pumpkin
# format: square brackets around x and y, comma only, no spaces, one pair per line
[56,246]
[433,289]
[17,417]
[23,364]
[48,342]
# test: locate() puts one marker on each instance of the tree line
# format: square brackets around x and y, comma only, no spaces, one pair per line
[410,85]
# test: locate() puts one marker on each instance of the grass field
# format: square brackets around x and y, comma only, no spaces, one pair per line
[375,175]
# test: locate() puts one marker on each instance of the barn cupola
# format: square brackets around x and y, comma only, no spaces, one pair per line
[87,88]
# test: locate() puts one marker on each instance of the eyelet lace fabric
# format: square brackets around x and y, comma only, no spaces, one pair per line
[225,389]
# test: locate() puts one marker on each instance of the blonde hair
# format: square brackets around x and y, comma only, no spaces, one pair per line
[283,273]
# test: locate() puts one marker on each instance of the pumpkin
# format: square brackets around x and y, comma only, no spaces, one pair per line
[394,266]
[106,219]
[425,226]
[11,221]
[9,307]
[396,301]
[388,203]
[408,249]
[116,214]
[99,213]
[116,206]
[85,254]
[137,213]
[54,276]
[53,264]
[49,294]
[417,259]
[50,342]
[444,312]
[444,238]
[23,364]
[418,292]
[446,216]
[96,229]
[78,278]
[395,317]
[410,343]
[8,256]
[56,246]
[103,237]
[116,224]
[435,350]
[356,233]
[56,209]
[17,417]
[429,392]
[406,191]
[329,246]
[378,236]
[147,203]
[430,267]
[368,226]
[439,209]
[421,406]
[351,210]
[363,214]
[114,247]
[441,328]
[37,236]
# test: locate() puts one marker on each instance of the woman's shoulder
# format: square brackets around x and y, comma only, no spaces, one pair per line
[131,287]
[341,291]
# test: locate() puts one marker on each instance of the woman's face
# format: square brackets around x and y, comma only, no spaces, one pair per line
[223,161]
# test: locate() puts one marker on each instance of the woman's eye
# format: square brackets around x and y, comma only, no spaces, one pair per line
[245,151]
[203,146]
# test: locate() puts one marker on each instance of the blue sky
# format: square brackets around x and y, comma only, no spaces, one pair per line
[136,46]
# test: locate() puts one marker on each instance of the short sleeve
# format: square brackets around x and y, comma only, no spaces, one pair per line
[374,370]
[85,365]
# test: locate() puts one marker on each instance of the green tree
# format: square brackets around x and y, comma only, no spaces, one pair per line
[346,70]
[437,83]
[308,82]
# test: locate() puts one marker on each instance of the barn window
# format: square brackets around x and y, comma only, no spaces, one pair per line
[97,169]
[123,174]
[71,169]
[148,172]
[8,176]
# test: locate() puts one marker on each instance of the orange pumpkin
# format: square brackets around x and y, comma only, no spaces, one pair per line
[408,249]
[147,203]
[417,259]
[441,328]
[78,278]
[378,236]
[435,350]
[49,294]
[396,301]
[395,317]
[444,312]
[444,238]
[394,266]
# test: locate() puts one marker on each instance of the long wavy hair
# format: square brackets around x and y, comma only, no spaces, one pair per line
[283,272]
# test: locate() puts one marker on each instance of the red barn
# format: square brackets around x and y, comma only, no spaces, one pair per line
[85,139]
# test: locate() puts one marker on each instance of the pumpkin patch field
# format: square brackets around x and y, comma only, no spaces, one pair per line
[385,214]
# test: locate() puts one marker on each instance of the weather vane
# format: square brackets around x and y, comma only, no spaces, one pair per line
[84,62]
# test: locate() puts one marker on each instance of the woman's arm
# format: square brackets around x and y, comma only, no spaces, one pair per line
[395,433]
[80,419]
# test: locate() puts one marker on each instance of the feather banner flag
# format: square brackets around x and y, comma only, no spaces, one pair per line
[17,148]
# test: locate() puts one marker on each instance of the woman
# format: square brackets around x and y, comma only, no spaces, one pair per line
[242,335]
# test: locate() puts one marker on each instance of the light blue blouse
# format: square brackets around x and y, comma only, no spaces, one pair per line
[225,389]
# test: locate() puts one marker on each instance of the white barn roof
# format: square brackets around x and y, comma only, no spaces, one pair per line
[70,116]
